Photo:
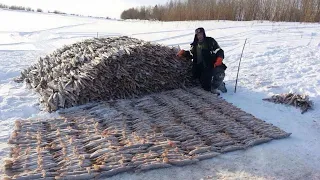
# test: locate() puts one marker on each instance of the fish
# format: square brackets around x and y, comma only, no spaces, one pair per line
[291,99]
[182,162]
[115,171]
[78,74]
[106,138]
[100,152]
[84,176]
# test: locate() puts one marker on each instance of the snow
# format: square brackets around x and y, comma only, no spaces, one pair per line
[278,58]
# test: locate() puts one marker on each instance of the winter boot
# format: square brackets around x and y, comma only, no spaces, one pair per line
[215,91]
[222,87]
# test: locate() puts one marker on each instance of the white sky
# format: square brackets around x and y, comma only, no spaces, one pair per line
[104,8]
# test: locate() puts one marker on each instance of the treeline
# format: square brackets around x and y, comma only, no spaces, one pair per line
[3,6]
[235,10]
[21,8]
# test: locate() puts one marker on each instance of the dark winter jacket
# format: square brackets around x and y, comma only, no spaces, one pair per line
[210,53]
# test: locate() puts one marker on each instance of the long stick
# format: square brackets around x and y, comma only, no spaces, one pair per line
[235,87]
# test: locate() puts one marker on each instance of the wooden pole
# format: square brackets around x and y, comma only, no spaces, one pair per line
[235,87]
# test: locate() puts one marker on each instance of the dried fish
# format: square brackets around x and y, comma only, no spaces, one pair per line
[173,128]
[77,176]
[257,141]
[208,155]
[291,99]
[115,171]
[183,162]
[199,150]
[232,148]
[149,166]
[100,152]
[103,69]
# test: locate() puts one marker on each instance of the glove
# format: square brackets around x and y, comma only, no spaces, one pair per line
[181,53]
[218,62]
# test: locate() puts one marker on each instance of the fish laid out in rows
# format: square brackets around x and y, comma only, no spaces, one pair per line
[160,130]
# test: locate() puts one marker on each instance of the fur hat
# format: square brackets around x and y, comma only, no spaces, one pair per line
[198,30]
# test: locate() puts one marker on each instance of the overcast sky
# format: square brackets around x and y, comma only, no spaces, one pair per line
[104,8]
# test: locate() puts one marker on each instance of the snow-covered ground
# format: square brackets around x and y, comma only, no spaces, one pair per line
[278,58]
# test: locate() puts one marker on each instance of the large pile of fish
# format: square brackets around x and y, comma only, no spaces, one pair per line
[104,69]
[172,128]
[296,100]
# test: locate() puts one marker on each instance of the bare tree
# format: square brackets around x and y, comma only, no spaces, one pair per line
[239,10]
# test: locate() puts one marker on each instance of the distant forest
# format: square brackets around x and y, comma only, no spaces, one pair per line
[235,10]
[22,8]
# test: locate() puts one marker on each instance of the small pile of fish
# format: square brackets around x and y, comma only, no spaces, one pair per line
[104,69]
[292,99]
[173,128]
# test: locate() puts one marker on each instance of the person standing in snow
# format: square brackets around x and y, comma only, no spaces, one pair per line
[207,64]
